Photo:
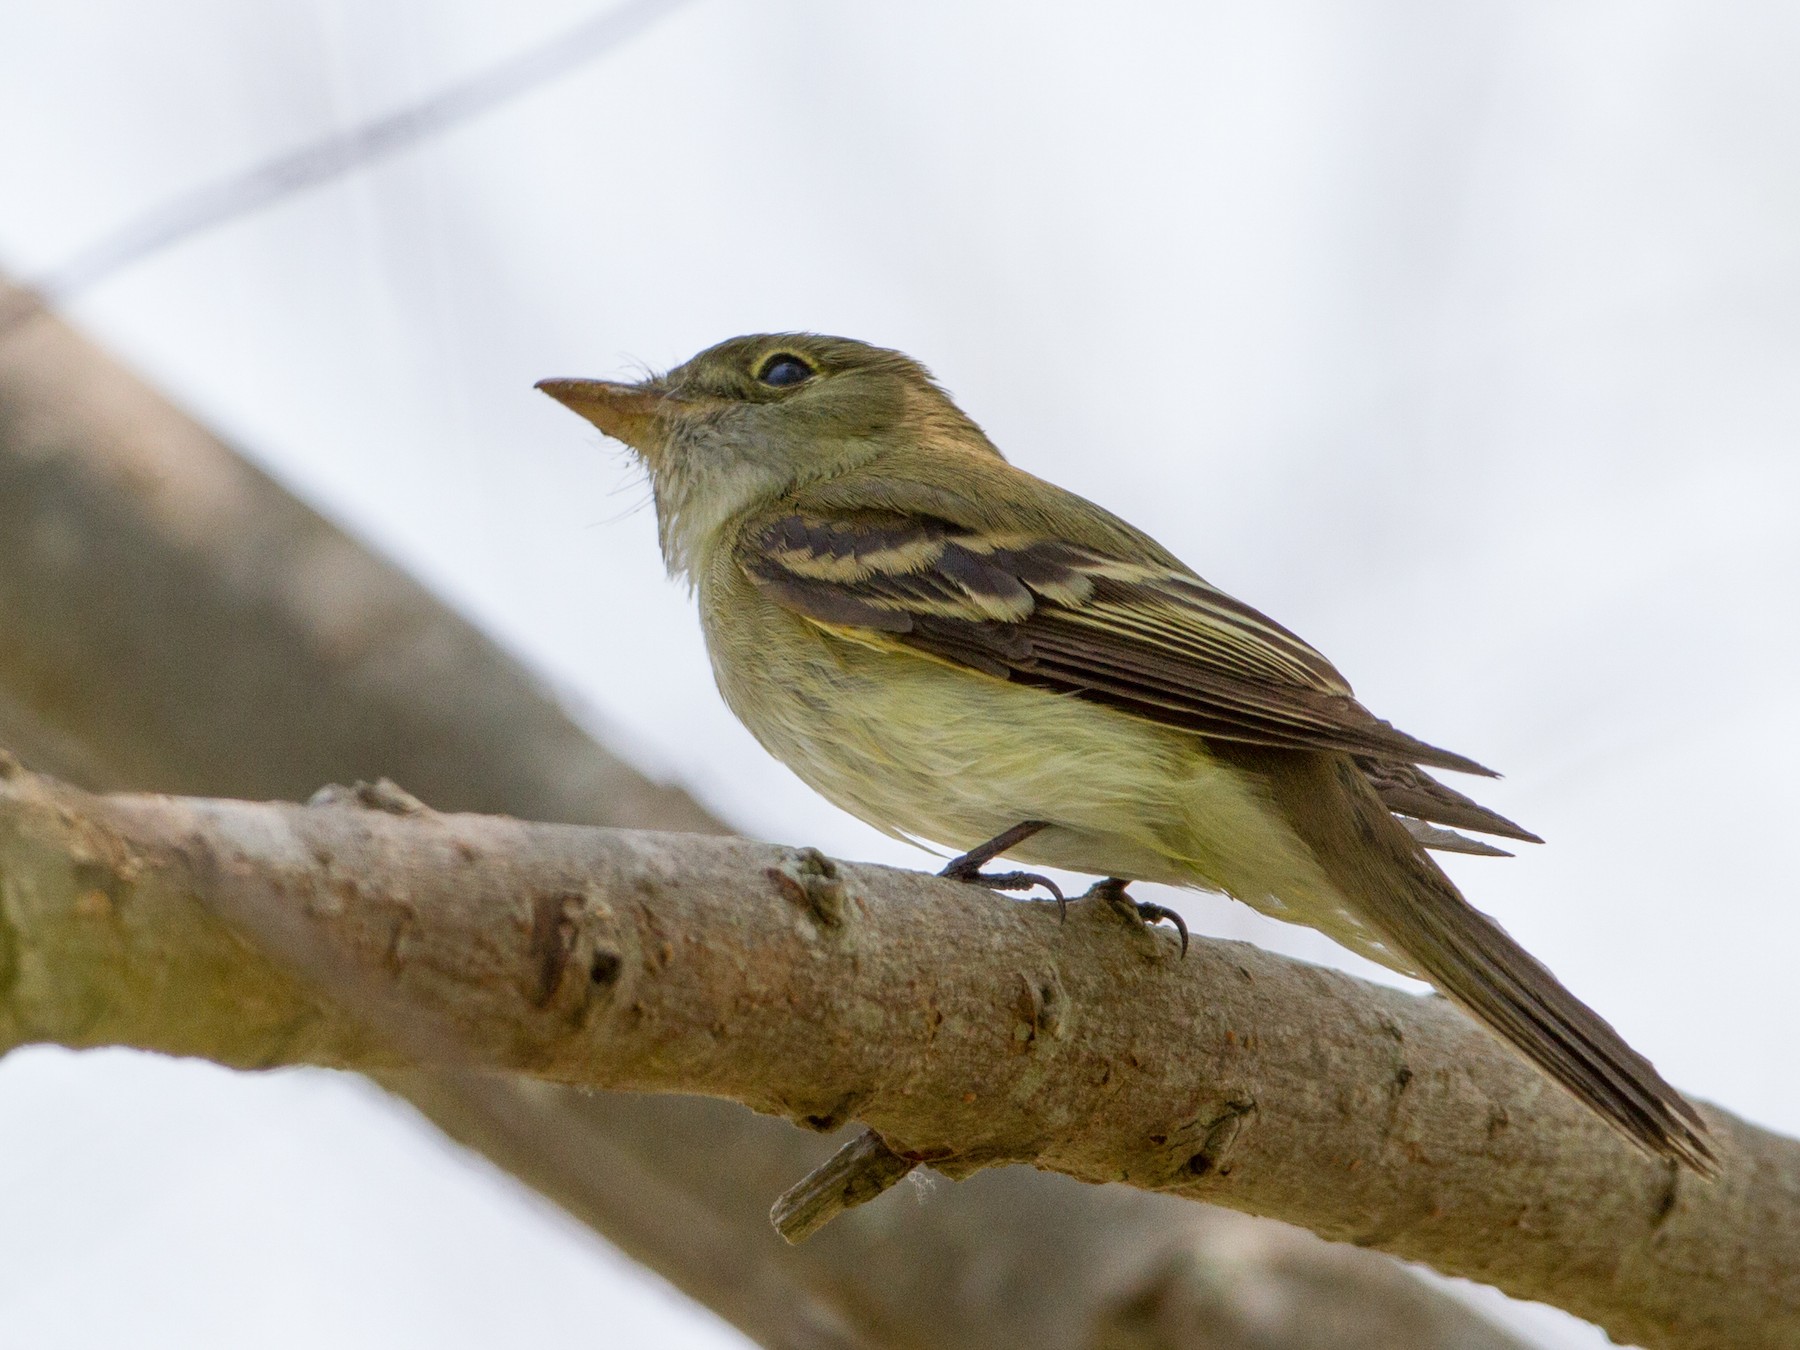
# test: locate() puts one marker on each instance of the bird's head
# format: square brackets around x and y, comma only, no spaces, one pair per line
[747,421]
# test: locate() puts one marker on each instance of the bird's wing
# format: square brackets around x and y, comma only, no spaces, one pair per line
[1147,637]
[1411,792]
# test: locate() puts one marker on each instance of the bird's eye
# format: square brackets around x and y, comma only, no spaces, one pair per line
[783,369]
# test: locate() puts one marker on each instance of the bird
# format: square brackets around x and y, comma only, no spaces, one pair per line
[963,654]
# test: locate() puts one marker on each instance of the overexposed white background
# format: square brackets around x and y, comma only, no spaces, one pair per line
[1465,340]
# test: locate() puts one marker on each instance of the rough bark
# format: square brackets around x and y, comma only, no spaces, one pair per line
[175,620]
[967,1030]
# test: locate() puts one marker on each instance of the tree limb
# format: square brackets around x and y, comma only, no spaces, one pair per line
[966,1030]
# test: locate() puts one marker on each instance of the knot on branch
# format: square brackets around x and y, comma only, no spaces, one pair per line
[810,879]
[1213,1157]
[384,794]
[574,960]
[1040,1008]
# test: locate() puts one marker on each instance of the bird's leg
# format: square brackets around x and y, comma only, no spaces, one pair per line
[968,866]
[1112,890]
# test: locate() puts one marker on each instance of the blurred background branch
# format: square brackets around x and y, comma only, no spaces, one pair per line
[176,621]
[248,190]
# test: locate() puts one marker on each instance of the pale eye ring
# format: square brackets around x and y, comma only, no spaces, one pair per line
[784,369]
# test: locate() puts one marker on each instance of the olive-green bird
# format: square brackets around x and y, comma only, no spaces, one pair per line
[956,651]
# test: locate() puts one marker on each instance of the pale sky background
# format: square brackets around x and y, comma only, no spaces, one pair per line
[1464,339]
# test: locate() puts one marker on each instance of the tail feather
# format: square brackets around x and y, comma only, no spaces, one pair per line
[1405,896]
[1448,841]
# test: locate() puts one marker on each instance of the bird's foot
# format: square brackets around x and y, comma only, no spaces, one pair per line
[1146,912]
[1017,881]
[968,866]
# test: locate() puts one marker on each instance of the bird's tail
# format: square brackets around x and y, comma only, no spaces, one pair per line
[1403,894]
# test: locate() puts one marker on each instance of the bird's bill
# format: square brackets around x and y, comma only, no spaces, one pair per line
[626,412]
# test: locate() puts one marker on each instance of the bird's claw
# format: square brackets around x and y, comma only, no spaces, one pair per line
[1008,881]
[968,866]
[1024,881]
[1146,912]
[1151,912]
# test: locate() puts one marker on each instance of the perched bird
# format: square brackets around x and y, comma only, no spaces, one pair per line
[956,651]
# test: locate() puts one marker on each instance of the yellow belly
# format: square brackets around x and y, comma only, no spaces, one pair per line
[928,751]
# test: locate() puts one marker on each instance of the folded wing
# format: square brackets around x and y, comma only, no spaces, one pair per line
[1151,639]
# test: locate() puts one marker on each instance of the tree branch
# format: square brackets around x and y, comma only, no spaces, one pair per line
[858,1172]
[968,1031]
[288,172]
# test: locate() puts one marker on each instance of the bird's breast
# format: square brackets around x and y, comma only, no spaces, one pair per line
[919,748]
